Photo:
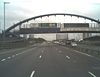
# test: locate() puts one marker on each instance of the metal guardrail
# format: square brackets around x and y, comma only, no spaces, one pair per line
[92,52]
[89,51]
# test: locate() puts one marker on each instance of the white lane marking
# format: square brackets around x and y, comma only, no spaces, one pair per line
[91,74]
[96,68]
[83,53]
[60,51]
[9,58]
[56,49]
[67,57]
[21,52]
[16,54]
[13,56]
[3,59]
[40,56]
[74,61]
[42,51]
[33,72]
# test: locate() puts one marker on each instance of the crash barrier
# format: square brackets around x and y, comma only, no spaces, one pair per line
[10,45]
[93,52]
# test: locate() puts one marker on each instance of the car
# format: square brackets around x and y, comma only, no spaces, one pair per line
[73,44]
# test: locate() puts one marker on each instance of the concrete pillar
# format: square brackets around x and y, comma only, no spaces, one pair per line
[85,35]
[90,34]
[60,36]
[25,36]
[31,36]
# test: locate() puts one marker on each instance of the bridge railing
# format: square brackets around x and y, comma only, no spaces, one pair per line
[80,29]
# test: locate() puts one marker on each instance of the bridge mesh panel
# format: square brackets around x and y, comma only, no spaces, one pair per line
[39,30]
[76,25]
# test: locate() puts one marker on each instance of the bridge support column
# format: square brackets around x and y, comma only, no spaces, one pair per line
[31,36]
[90,34]
[85,35]
[61,36]
[25,36]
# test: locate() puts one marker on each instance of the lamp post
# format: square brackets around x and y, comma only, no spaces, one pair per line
[4,17]
[0,27]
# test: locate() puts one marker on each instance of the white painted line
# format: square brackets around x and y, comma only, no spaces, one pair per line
[42,51]
[3,59]
[33,72]
[91,74]
[67,57]
[16,54]
[19,53]
[56,49]
[13,56]
[22,53]
[40,56]
[83,53]
[60,51]
[9,58]
[96,68]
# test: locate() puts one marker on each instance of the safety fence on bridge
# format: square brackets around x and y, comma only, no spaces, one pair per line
[80,29]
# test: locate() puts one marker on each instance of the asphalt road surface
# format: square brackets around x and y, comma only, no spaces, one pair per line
[47,60]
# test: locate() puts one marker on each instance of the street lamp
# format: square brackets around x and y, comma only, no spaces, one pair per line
[4,16]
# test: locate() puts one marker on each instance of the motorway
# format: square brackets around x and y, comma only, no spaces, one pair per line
[47,60]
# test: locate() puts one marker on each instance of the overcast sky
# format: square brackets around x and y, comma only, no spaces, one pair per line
[19,10]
